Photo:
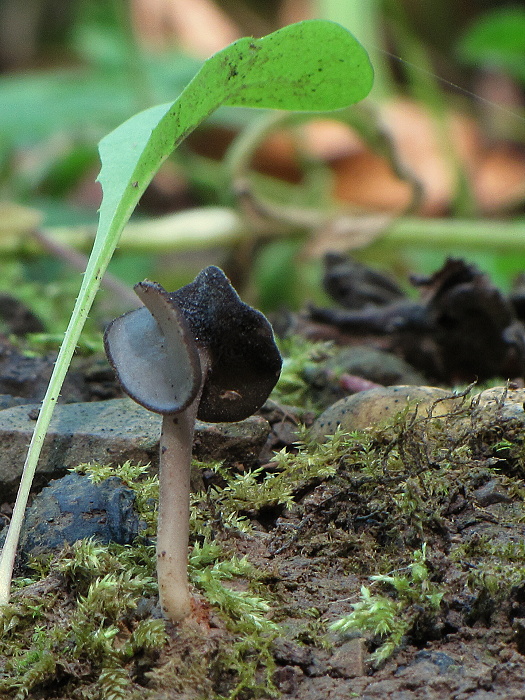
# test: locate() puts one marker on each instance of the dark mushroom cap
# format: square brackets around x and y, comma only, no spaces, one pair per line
[242,360]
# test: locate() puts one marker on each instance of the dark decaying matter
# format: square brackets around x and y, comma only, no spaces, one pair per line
[461,328]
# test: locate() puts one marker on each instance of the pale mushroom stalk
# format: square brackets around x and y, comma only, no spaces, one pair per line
[173,520]
[174,512]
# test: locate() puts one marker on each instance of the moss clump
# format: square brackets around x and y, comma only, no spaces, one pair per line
[402,487]
[300,357]
[390,618]
[495,576]
[84,625]
[385,490]
[395,509]
[78,626]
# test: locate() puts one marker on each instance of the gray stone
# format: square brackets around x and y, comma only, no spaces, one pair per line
[348,660]
[375,365]
[110,432]
[492,492]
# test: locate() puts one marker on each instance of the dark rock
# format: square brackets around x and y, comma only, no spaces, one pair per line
[517,598]
[288,652]
[444,662]
[518,627]
[517,296]
[490,493]
[287,679]
[348,660]
[320,665]
[382,689]
[28,377]
[18,318]
[74,508]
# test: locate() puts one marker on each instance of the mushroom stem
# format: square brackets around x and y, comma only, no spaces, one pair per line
[174,511]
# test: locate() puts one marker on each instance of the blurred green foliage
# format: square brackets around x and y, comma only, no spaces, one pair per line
[497,40]
[87,74]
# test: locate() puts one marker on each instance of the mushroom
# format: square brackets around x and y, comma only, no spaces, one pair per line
[199,352]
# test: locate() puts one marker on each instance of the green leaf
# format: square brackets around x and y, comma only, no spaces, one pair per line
[314,65]
[497,39]
[331,70]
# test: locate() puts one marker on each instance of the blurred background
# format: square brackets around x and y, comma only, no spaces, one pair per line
[431,164]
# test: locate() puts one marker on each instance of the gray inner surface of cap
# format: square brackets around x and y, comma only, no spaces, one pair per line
[162,381]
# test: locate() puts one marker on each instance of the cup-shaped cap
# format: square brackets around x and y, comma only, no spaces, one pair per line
[153,353]
[155,350]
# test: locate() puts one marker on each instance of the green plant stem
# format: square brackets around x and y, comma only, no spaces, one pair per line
[78,318]
[211,226]
[202,227]
[240,154]
[468,234]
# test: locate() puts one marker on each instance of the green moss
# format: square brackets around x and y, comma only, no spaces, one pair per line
[84,610]
[385,489]
[299,355]
[499,566]
[390,618]
[77,627]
